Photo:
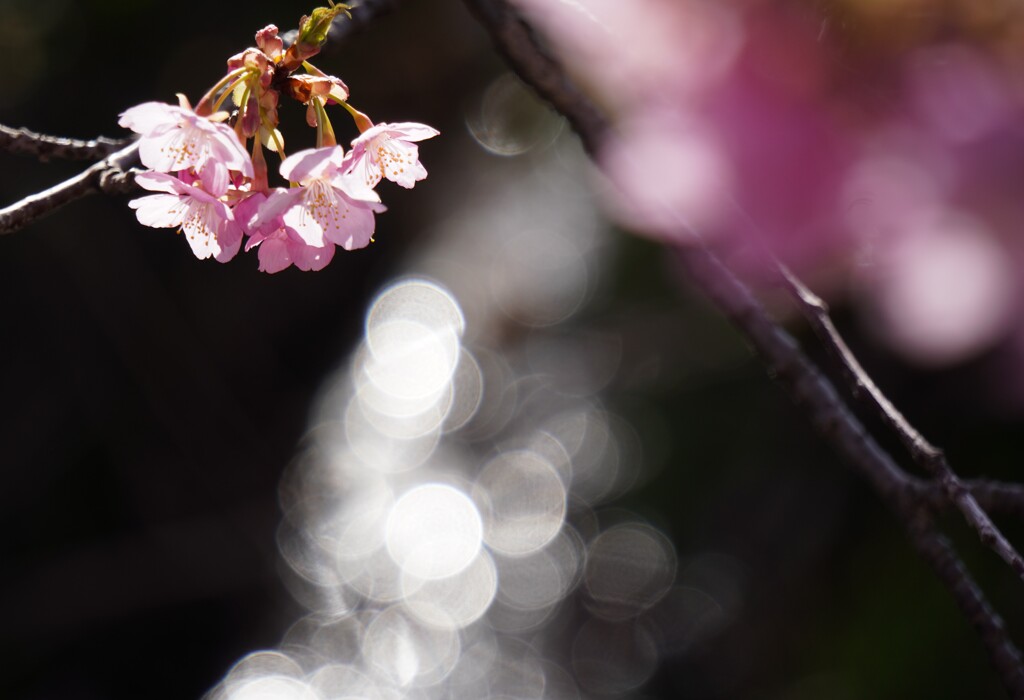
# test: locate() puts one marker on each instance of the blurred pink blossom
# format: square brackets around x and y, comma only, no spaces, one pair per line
[944,288]
[645,50]
[670,178]
[957,92]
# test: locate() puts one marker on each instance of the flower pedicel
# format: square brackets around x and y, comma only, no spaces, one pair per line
[213,189]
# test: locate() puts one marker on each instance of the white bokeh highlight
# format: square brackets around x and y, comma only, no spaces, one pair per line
[443,511]
[434,531]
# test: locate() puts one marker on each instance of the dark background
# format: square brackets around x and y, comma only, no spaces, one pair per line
[149,403]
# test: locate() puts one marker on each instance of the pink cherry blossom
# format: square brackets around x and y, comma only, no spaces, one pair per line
[175,138]
[279,245]
[330,206]
[387,150]
[208,224]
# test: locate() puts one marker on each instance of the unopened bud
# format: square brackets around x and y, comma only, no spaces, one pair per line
[313,29]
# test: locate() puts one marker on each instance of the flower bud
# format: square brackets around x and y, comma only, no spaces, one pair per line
[313,29]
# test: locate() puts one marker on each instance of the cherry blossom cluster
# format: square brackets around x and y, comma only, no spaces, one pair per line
[215,189]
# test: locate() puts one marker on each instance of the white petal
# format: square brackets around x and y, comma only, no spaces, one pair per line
[159,210]
[411,131]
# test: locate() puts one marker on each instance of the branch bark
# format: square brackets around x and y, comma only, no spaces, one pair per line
[111,175]
[44,147]
[926,455]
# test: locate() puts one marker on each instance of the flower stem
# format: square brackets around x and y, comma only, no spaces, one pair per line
[203,108]
[272,130]
[362,121]
[228,90]
[324,131]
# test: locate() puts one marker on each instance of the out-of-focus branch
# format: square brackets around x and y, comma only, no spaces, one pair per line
[777,349]
[44,147]
[111,175]
[940,555]
[834,420]
[517,43]
[929,457]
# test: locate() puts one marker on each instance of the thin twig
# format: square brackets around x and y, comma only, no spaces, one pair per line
[937,551]
[45,147]
[994,497]
[929,457]
[777,349]
[834,420]
[518,44]
[109,175]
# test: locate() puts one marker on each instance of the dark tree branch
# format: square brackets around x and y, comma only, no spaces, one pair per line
[45,147]
[937,551]
[111,175]
[517,43]
[929,457]
[994,497]
[778,350]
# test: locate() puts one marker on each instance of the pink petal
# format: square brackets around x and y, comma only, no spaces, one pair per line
[229,237]
[246,210]
[225,147]
[311,163]
[274,255]
[308,222]
[363,168]
[308,258]
[215,178]
[353,229]
[279,201]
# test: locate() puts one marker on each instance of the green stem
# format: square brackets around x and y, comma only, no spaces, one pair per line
[273,134]
[227,91]
[213,91]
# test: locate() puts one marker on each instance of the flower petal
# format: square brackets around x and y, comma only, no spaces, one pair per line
[411,131]
[354,228]
[200,229]
[229,238]
[160,182]
[312,163]
[309,258]
[274,255]
[160,210]
[215,178]
[144,118]
[279,201]
[400,161]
